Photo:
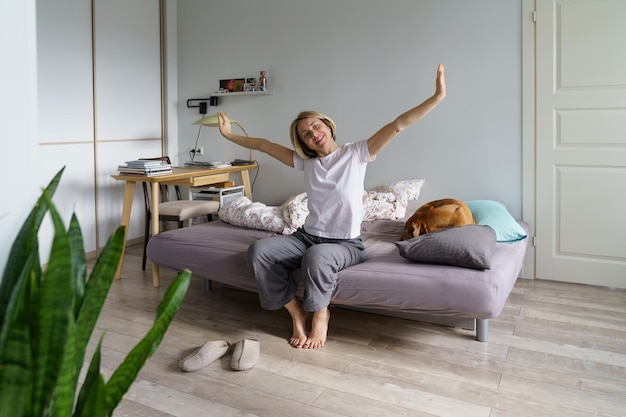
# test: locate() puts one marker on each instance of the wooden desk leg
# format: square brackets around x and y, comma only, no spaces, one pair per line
[155,227]
[129,192]
[247,187]
[155,275]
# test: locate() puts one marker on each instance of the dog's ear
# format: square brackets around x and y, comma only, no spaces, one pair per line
[417,228]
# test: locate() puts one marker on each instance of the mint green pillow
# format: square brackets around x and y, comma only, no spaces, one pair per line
[495,214]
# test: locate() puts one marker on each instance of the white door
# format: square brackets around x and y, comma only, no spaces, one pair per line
[581,141]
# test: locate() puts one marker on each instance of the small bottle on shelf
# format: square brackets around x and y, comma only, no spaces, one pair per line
[262,81]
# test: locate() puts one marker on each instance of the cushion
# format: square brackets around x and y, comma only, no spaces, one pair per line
[381,205]
[468,246]
[389,201]
[494,214]
[403,190]
[294,211]
[386,201]
[187,209]
[244,213]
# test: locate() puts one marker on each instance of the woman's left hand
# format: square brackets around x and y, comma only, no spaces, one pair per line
[440,91]
[224,124]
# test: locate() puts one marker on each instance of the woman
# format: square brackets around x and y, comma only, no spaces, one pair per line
[330,239]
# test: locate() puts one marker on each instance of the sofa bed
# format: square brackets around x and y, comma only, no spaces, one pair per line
[459,277]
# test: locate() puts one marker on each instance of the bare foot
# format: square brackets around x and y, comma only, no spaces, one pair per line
[298,316]
[319,330]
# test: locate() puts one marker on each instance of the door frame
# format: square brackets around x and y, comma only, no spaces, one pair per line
[529,131]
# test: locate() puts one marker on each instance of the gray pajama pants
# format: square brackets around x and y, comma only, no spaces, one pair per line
[274,259]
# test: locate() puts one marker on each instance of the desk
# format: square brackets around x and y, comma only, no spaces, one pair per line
[184,176]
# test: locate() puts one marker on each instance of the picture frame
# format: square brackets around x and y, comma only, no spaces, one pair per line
[250,84]
[232,85]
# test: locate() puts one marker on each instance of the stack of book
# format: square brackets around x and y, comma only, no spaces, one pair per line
[205,164]
[145,167]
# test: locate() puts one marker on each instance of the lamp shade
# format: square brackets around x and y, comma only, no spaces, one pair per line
[211,121]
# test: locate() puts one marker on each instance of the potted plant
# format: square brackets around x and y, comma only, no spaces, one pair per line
[47,318]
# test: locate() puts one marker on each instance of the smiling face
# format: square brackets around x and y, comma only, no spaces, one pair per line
[315,135]
[312,134]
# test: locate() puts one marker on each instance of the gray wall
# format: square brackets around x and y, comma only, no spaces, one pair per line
[362,63]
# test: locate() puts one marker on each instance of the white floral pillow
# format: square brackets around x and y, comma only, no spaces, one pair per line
[244,213]
[381,205]
[295,210]
[404,190]
[387,201]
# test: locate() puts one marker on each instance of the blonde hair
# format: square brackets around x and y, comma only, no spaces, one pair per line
[301,149]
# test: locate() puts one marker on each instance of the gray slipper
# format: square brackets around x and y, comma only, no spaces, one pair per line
[245,354]
[204,355]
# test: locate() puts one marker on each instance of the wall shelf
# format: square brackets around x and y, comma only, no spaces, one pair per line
[212,100]
[244,93]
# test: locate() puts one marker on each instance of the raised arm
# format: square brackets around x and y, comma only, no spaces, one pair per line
[281,153]
[377,143]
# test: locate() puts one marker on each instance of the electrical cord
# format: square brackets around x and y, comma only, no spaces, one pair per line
[256,175]
[192,153]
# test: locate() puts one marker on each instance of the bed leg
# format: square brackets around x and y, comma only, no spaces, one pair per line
[207,285]
[482,330]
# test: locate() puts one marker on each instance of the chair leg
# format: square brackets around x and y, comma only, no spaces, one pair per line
[146,236]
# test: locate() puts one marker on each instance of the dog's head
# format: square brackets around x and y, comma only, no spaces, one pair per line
[414,227]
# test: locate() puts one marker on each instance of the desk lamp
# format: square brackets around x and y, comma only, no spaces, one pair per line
[212,121]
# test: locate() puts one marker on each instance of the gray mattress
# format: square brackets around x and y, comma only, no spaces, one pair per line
[384,281]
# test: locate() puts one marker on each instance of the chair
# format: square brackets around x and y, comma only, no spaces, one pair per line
[178,210]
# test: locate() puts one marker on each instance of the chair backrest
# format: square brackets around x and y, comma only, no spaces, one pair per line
[163,189]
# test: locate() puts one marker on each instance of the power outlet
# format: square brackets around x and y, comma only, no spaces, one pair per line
[197,151]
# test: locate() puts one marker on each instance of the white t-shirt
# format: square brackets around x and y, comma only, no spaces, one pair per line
[334,187]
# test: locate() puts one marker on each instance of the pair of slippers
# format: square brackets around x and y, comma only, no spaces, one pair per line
[245,355]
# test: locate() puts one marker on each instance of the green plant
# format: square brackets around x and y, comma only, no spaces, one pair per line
[47,318]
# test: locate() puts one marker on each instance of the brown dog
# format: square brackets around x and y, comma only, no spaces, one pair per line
[437,215]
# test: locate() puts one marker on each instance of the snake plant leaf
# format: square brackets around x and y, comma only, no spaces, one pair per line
[64,391]
[98,285]
[91,398]
[126,373]
[96,291]
[24,243]
[96,402]
[16,375]
[79,261]
[55,314]
[72,360]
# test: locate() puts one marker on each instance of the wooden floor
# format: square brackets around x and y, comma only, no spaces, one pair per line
[557,350]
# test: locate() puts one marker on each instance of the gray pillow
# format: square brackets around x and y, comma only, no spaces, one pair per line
[467,246]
